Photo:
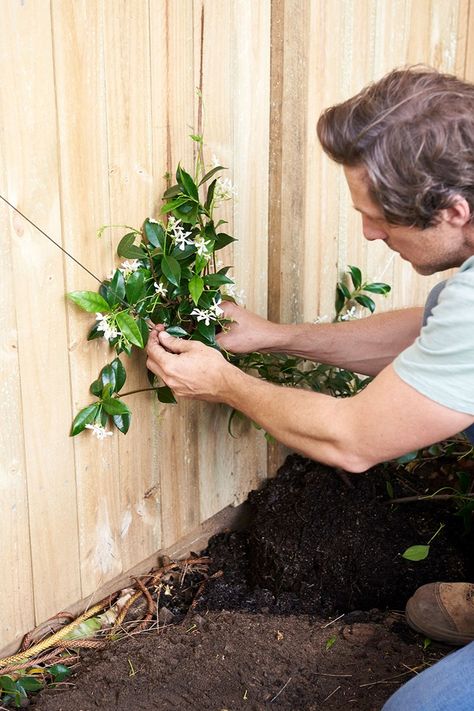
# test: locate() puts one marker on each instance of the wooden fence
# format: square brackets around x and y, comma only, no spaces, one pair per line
[97,100]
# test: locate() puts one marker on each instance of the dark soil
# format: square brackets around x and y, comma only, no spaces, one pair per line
[263,633]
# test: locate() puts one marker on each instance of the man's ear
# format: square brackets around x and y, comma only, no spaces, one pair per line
[459,214]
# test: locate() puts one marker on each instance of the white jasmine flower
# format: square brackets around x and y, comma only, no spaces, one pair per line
[178,235]
[215,161]
[99,431]
[128,268]
[224,189]
[215,308]
[321,319]
[201,246]
[160,289]
[155,222]
[106,327]
[205,315]
[350,314]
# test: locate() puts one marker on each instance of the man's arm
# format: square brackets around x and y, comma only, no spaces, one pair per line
[385,420]
[364,346]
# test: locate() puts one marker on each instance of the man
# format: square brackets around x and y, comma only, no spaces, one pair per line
[406,144]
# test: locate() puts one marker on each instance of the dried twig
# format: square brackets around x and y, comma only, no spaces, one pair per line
[282,689]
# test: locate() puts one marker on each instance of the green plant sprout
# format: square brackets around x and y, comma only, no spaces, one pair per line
[15,687]
[420,552]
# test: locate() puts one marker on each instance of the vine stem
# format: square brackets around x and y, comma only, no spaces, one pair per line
[140,390]
[438,497]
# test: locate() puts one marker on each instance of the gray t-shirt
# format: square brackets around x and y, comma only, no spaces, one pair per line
[440,363]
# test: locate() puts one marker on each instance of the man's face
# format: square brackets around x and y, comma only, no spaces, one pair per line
[431,250]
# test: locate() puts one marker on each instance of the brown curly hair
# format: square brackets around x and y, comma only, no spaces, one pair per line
[413,131]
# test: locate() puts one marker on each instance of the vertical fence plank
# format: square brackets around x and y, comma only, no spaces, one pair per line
[80,87]
[31,158]
[129,114]
[16,582]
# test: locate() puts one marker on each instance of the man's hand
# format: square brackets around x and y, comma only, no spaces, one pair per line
[248,332]
[189,368]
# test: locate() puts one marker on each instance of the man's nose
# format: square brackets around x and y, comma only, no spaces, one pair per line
[371,231]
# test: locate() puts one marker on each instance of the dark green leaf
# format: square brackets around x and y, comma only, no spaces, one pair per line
[30,683]
[114,292]
[120,373]
[171,269]
[172,192]
[177,332]
[340,299]
[129,329]
[83,418]
[127,249]
[196,287]
[59,672]
[144,330]
[366,302]
[165,394]
[96,388]
[108,376]
[210,195]
[90,301]
[114,406]
[122,422]
[155,234]
[377,288]
[188,213]
[94,332]
[135,286]
[174,204]
[356,276]
[216,280]
[188,184]
[222,240]
[211,173]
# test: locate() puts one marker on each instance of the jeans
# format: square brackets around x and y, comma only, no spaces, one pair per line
[446,686]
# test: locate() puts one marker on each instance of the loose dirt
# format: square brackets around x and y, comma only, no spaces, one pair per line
[306,609]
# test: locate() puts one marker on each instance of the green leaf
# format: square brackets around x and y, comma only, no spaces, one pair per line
[406,458]
[188,213]
[177,332]
[90,301]
[171,269]
[114,406]
[120,373]
[83,418]
[172,192]
[114,292]
[96,387]
[211,173]
[174,204]
[122,422]
[416,553]
[107,377]
[144,330]
[366,302]
[196,287]
[59,672]
[216,280]
[135,286]
[356,276]
[165,394]
[187,183]
[222,240]
[155,234]
[127,249]
[129,328]
[30,683]
[330,642]
[7,684]
[340,299]
[377,288]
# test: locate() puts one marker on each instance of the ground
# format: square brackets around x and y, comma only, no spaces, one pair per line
[305,609]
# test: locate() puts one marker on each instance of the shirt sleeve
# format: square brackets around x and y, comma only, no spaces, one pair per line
[440,363]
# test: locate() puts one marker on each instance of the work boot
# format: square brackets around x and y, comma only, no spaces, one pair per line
[443,611]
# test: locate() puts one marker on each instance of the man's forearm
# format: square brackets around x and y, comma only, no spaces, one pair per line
[364,346]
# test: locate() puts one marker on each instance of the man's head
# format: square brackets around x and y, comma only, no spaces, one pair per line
[410,138]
